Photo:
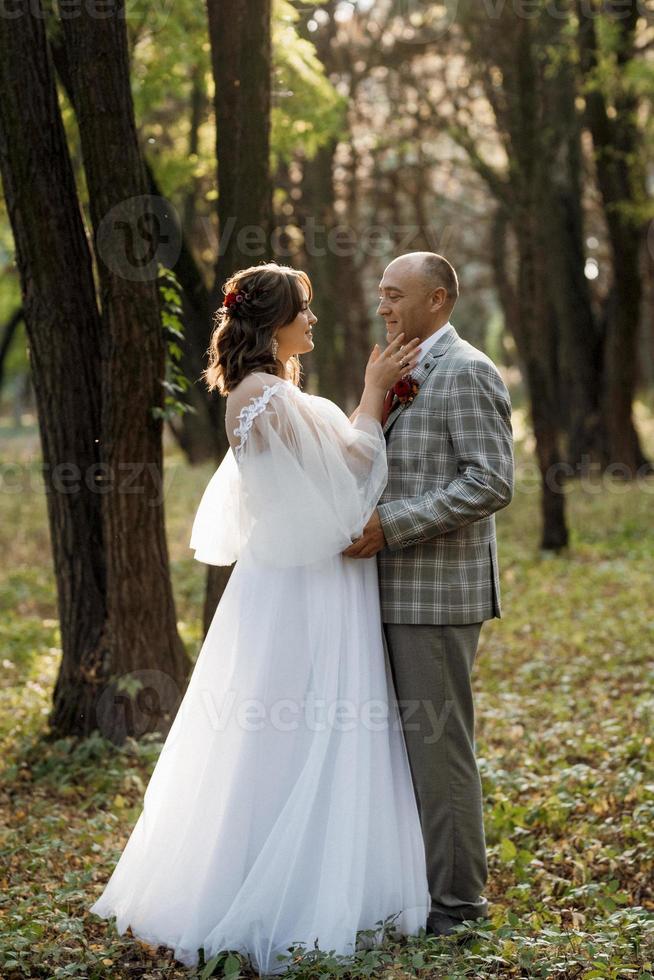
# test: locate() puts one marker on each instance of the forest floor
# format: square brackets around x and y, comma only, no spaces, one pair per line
[564,736]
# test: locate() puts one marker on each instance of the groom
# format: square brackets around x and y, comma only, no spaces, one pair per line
[450,467]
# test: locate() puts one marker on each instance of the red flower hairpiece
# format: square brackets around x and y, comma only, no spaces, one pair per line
[234,299]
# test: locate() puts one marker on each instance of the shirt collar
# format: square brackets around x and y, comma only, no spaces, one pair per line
[427,344]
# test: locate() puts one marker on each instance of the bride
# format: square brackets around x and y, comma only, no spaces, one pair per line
[281,810]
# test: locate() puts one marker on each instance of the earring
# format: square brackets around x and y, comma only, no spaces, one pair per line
[275,347]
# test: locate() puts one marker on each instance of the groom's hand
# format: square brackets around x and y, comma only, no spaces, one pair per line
[371,541]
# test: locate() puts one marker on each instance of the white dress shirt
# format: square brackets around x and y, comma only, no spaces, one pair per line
[427,344]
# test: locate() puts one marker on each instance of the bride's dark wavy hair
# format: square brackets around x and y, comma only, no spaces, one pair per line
[241,341]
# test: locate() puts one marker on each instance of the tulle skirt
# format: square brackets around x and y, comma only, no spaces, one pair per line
[281,810]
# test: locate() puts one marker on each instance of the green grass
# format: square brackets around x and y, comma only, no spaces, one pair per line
[564,735]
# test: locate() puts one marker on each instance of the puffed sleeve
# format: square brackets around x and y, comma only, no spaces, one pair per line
[302,480]
[215,536]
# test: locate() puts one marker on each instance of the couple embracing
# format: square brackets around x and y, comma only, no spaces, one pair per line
[320,776]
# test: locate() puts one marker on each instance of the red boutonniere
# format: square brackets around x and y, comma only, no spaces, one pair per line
[406,389]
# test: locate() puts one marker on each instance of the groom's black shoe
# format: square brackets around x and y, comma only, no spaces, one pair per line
[439,924]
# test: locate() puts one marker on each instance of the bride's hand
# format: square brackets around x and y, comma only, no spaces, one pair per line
[386,367]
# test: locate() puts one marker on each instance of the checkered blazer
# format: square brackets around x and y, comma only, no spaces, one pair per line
[450,466]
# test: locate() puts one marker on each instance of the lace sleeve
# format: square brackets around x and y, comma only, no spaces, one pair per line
[247,413]
[298,484]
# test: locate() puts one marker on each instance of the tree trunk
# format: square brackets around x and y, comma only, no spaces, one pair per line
[351,285]
[331,261]
[535,333]
[198,103]
[65,335]
[240,34]
[580,337]
[241,59]
[318,217]
[201,435]
[618,158]
[523,200]
[146,663]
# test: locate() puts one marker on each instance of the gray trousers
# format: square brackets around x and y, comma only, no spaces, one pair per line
[431,668]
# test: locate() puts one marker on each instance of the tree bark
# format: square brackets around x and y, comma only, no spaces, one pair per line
[331,254]
[197,107]
[524,199]
[531,321]
[65,335]
[201,435]
[241,60]
[618,158]
[146,664]
[240,35]
[317,216]
[537,342]
[580,361]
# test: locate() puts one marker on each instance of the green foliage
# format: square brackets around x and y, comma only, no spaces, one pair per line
[564,738]
[625,81]
[16,365]
[175,381]
[609,74]
[307,110]
[169,53]
[170,48]
[10,298]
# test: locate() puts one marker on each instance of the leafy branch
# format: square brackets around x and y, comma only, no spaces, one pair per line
[175,381]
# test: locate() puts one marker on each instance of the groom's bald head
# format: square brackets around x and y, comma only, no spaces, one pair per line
[433,269]
[437,271]
[417,294]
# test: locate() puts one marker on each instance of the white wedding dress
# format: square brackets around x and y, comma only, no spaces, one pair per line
[281,809]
